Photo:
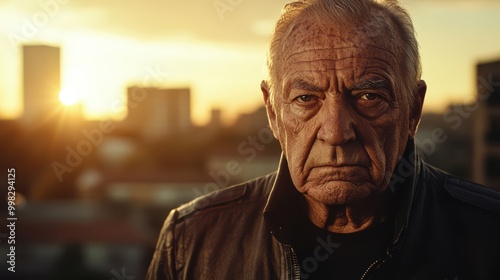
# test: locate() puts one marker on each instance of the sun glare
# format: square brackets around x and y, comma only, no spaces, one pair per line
[68,97]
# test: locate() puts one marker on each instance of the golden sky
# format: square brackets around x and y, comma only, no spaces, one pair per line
[216,47]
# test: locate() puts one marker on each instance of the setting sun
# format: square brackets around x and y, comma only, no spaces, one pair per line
[68,97]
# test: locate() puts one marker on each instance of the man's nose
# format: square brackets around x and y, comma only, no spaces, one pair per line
[337,122]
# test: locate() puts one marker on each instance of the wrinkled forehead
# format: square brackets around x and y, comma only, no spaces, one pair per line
[324,39]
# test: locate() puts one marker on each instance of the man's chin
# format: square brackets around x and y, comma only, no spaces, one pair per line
[339,193]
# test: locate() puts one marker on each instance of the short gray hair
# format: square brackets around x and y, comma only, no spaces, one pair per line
[350,12]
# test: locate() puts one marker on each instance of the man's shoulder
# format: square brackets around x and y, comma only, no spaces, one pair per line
[254,190]
[468,192]
[472,193]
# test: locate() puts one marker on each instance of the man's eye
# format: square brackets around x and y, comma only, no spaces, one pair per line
[370,104]
[306,98]
[370,96]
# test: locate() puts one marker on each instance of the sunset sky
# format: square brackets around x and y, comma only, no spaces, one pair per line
[107,45]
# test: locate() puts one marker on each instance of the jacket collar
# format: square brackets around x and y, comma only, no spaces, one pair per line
[285,205]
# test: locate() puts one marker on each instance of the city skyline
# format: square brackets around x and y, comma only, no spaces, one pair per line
[154,112]
[218,52]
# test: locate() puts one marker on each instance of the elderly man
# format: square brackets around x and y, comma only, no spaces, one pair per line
[350,200]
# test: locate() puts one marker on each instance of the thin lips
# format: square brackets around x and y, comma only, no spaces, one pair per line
[339,165]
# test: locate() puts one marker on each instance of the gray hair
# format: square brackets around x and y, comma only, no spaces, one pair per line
[349,12]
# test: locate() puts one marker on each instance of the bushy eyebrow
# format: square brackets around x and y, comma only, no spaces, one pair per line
[303,85]
[372,84]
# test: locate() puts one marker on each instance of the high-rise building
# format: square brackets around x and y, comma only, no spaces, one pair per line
[486,167]
[42,86]
[41,83]
[158,112]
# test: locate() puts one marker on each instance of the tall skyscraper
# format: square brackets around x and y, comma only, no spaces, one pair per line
[41,83]
[158,112]
[486,167]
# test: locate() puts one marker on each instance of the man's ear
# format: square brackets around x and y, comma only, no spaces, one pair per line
[416,112]
[271,114]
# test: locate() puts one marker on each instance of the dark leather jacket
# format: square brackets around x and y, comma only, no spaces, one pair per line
[445,228]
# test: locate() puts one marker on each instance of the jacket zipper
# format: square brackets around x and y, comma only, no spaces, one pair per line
[370,268]
[382,260]
[295,264]
[375,263]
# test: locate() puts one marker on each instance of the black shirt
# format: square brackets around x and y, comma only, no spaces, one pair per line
[327,255]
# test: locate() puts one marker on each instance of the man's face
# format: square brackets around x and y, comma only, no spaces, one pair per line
[341,117]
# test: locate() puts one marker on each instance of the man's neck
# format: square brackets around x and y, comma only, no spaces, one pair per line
[350,218]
